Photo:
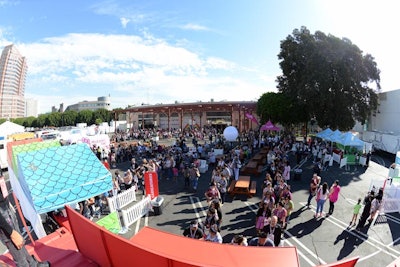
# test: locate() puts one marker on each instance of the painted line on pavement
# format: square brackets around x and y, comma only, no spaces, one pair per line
[321,261]
[362,236]
[369,256]
[250,204]
[301,254]
[393,242]
[392,218]
[387,215]
[194,201]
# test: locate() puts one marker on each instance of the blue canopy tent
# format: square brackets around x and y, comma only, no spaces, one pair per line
[334,137]
[351,140]
[53,177]
[323,134]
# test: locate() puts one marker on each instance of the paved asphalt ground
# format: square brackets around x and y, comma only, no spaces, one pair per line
[318,241]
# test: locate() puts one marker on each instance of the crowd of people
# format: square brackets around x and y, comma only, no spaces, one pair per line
[178,163]
[276,204]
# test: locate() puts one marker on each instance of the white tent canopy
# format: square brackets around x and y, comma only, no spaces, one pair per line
[8,127]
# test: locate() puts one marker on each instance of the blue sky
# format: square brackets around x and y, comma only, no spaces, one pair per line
[165,51]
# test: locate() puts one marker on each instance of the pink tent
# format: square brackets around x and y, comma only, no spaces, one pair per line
[269,126]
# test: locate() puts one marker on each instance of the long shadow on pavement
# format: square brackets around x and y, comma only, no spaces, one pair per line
[351,241]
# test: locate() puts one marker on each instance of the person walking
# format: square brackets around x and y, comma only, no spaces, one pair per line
[236,164]
[222,187]
[315,180]
[333,196]
[356,211]
[366,211]
[322,196]
[194,176]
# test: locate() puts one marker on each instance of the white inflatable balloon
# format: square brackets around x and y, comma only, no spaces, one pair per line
[231,133]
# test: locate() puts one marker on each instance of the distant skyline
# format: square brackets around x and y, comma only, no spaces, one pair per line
[165,51]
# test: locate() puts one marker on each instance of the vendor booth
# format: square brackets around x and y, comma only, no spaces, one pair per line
[48,178]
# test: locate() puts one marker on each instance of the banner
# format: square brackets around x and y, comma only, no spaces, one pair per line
[151,184]
[252,118]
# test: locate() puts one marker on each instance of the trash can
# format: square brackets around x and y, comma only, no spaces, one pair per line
[156,204]
[297,174]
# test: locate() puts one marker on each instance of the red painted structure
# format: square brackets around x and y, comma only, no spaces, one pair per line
[91,245]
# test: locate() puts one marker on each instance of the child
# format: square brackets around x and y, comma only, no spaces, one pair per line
[357,208]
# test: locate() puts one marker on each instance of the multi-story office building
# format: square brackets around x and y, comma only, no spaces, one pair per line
[13,70]
[102,102]
[31,107]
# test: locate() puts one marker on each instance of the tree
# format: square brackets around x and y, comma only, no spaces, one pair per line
[328,78]
[40,121]
[19,121]
[69,118]
[54,119]
[278,108]
[102,114]
[28,122]
[85,116]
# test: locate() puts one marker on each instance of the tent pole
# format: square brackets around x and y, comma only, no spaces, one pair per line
[23,218]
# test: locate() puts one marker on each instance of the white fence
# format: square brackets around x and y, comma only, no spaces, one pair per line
[122,199]
[391,198]
[134,213]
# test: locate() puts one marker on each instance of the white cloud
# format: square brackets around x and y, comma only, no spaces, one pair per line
[194,27]
[133,69]
[8,3]
[124,22]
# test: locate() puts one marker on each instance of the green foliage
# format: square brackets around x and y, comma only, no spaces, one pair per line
[327,78]
[277,107]
[28,121]
[103,115]
[85,116]
[40,121]
[98,121]
[68,118]
[19,121]
[53,119]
